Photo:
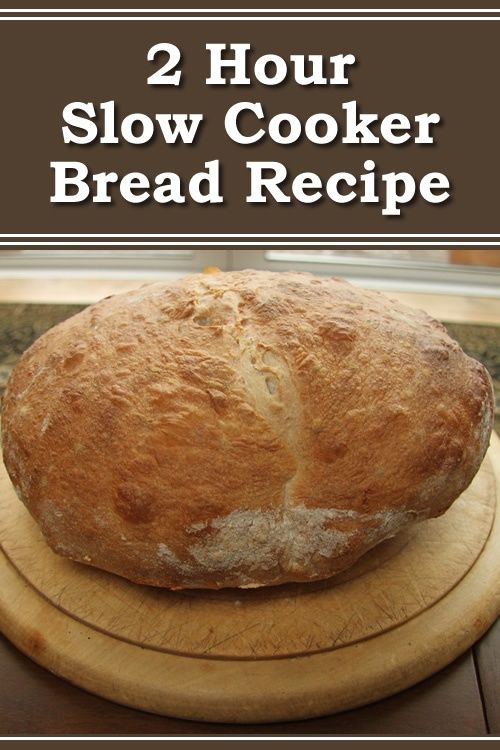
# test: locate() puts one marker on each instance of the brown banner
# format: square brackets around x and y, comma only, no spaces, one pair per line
[406,68]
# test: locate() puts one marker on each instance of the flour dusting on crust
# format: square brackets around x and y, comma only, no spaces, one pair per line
[257,541]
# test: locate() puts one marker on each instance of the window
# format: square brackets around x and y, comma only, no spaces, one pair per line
[475,272]
[467,271]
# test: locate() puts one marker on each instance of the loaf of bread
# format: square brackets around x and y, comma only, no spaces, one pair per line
[241,429]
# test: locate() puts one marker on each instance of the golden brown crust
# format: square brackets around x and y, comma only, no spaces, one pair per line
[241,429]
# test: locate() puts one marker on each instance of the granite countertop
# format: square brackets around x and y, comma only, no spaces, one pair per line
[21,324]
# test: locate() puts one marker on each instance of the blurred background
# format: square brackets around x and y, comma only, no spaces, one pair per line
[473,272]
[39,288]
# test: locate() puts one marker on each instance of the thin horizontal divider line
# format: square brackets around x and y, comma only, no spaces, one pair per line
[252,14]
[255,235]
[249,244]
[249,13]
[247,10]
[249,18]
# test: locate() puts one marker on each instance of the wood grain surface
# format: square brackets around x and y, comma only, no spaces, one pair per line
[487,654]
[448,703]
[407,611]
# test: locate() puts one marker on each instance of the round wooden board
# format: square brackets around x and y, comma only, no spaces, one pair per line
[407,609]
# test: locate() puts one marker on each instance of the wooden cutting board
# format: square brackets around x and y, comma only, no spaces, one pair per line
[404,611]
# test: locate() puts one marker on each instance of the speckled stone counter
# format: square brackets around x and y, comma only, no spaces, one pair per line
[21,324]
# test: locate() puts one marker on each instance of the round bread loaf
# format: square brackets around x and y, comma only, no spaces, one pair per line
[241,429]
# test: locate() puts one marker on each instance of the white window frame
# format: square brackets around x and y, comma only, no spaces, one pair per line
[116,263]
[382,274]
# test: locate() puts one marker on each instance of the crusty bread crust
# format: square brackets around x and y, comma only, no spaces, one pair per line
[241,429]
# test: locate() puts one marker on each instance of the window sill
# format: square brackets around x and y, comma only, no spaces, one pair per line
[87,287]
